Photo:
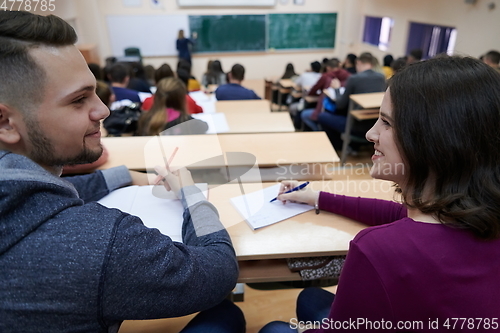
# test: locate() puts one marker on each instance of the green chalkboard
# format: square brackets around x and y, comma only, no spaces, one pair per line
[229,33]
[302,31]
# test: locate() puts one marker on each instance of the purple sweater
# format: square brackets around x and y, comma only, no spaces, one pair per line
[403,270]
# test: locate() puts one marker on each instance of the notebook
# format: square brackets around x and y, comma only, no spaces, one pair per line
[156,207]
[258,212]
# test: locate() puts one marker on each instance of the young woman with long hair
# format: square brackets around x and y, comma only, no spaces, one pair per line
[169,110]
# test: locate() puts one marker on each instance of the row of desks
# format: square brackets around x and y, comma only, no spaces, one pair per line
[249,116]
[305,155]
[295,155]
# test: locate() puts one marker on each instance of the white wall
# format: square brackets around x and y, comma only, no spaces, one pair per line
[477,28]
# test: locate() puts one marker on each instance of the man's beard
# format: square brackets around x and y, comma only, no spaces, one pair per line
[42,151]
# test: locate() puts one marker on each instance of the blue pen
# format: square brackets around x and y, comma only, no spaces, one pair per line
[298,188]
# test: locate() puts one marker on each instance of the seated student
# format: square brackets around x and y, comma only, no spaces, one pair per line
[138,80]
[436,256]
[149,74]
[165,71]
[492,58]
[69,264]
[414,56]
[169,110]
[387,68]
[349,63]
[192,106]
[398,64]
[365,81]
[333,71]
[288,74]
[306,79]
[119,77]
[214,75]
[309,77]
[234,90]
[193,84]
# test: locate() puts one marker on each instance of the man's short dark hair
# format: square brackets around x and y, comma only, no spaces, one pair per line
[118,72]
[333,63]
[238,72]
[493,56]
[22,79]
[315,66]
[417,54]
[366,58]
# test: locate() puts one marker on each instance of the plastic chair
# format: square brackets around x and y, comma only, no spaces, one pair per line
[133,52]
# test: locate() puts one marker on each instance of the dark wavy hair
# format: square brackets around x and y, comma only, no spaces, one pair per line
[446,120]
[22,79]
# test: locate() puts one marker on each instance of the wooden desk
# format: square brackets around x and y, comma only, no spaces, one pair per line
[246,106]
[364,101]
[261,253]
[257,85]
[282,153]
[238,122]
[259,122]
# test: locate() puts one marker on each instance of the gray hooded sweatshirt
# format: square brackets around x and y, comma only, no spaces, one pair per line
[69,264]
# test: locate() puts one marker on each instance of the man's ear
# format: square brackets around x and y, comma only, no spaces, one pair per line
[9,133]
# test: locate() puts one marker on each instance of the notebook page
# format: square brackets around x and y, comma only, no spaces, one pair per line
[256,209]
[217,122]
[122,198]
[154,205]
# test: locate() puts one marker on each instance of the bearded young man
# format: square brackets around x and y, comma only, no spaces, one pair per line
[68,263]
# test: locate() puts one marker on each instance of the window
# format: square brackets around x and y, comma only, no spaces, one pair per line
[431,39]
[378,31]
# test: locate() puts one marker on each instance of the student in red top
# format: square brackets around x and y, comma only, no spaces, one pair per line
[163,72]
[168,111]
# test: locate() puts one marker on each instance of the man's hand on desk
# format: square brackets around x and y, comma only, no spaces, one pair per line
[307,195]
[174,181]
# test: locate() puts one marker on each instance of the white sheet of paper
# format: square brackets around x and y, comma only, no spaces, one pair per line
[208,107]
[156,207]
[144,95]
[217,122]
[332,94]
[200,97]
[256,209]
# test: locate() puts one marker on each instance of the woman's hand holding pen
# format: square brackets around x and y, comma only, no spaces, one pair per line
[306,195]
[174,181]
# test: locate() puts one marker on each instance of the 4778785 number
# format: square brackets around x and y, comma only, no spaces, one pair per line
[28,5]
[471,323]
